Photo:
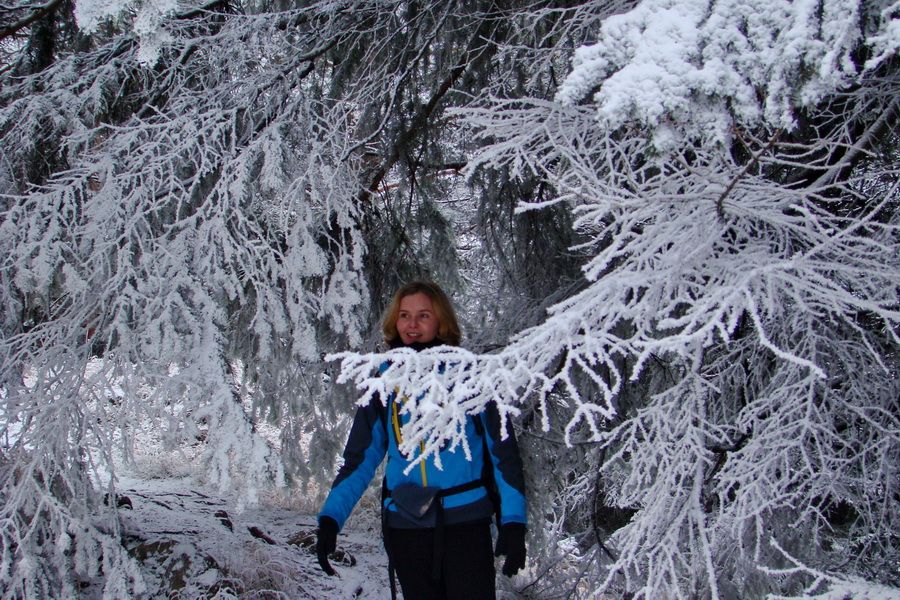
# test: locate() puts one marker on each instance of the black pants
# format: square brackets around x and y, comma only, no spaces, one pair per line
[467,563]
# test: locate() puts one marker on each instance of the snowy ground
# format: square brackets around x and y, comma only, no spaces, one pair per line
[193,542]
[194,545]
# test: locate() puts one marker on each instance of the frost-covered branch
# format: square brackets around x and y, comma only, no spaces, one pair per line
[733,348]
[684,260]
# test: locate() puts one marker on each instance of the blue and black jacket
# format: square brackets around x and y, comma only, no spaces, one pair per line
[374,434]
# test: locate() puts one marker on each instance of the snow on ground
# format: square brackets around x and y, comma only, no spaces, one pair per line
[192,544]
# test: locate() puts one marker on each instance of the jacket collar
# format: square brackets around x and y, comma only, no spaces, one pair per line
[417,346]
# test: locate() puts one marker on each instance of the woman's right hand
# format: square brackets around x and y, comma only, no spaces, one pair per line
[326,542]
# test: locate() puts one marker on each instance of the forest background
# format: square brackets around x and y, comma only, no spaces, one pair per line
[670,228]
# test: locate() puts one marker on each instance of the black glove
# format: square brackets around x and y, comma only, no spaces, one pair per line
[511,542]
[326,542]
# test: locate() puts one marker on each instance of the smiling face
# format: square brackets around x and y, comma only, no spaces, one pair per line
[416,321]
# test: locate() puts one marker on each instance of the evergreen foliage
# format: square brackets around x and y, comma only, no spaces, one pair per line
[676,260]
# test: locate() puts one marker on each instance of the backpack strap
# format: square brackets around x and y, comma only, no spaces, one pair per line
[487,470]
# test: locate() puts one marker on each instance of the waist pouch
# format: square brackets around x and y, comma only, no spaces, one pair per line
[417,503]
[422,505]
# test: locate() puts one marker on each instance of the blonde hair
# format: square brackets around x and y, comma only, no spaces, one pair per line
[448,328]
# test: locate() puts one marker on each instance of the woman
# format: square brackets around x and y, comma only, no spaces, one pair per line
[437,528]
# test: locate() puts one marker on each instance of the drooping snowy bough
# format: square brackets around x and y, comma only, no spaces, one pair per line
[199,203]
[732,358]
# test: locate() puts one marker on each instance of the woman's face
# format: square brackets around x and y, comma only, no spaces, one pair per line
[416,321]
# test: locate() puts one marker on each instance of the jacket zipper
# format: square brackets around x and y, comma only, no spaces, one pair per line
[395,419]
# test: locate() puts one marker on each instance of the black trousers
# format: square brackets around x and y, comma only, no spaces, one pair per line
[467,563]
